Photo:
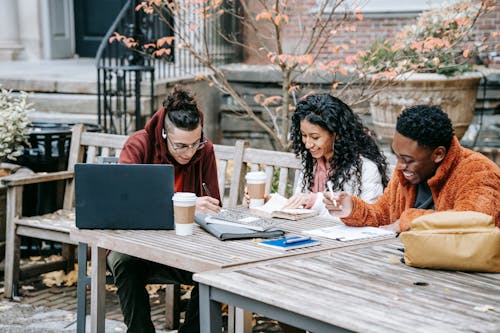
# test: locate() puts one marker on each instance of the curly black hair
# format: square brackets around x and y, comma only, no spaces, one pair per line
[351,142]
[182,110]
[429,125]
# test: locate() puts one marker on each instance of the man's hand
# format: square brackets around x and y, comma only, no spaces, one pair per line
[338,204]
[207,205]
[395,227]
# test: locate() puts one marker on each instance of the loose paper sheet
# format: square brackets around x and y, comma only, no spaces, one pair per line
[345,233]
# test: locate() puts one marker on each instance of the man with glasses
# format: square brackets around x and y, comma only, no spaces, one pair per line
[433,173]
[174,135]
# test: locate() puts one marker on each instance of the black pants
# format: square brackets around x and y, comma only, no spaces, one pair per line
[131,275]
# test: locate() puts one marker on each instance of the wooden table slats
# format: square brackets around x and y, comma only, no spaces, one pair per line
[369,290]
[201,251]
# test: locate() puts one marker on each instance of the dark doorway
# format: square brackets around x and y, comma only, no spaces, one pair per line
[93,18]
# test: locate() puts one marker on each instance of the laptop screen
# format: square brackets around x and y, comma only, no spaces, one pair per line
[124,196]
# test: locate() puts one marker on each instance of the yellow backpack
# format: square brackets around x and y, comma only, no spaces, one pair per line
[453,240]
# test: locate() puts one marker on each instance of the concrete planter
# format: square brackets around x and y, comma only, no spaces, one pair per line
[455,95]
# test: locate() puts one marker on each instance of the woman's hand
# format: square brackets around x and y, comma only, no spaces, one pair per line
[207,205]
[247,197]
[338,204]
[300,200]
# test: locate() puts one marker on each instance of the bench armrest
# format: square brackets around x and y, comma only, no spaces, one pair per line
[18,180]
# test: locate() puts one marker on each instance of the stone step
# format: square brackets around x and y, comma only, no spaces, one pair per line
[79,103]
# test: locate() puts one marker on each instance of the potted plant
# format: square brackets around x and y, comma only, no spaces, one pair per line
[428,62]
[14,120]
[14,110]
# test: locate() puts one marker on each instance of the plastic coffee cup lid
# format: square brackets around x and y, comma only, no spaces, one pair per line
[187,198]
[256,176]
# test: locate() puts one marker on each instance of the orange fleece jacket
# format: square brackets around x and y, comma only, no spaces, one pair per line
[465,180]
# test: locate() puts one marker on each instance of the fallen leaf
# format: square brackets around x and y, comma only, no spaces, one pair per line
[55,278]
[153,289]
[484,308]
[54,258]
[71,278]
[111,288]
[27,288]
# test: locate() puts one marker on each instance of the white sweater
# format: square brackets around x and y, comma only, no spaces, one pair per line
[371,187]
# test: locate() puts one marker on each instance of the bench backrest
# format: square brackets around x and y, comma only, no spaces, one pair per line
[285,165]
[229,170]
[87,147]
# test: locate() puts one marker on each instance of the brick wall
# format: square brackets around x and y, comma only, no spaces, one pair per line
[366,31]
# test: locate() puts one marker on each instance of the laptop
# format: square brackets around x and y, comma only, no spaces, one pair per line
[124,196]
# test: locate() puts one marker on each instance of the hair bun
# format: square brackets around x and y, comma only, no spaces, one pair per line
[179,99]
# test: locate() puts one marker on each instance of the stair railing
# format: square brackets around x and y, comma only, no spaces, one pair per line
[126,76]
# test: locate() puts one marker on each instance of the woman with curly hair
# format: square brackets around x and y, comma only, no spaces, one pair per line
[334,146]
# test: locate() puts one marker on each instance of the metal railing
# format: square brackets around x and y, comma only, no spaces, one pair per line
[126,76]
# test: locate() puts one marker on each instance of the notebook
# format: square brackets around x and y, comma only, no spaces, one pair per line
[290,242]
[241,217]
[124,196]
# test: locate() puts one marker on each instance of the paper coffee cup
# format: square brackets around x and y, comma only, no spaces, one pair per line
[184,209]
[256,187]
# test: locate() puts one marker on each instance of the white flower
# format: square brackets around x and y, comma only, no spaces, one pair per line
[14,111]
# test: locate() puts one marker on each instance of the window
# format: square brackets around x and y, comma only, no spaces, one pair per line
[389,8]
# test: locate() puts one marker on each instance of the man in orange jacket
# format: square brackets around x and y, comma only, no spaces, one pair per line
[433,173]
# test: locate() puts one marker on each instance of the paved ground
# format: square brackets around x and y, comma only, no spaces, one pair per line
[53,310]
[43,309]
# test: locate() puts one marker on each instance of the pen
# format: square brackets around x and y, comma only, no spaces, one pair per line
[330,189]
[205,188]
[296,239]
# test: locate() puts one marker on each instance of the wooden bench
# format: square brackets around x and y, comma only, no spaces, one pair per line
[85,147]
[282,173]
[286,166]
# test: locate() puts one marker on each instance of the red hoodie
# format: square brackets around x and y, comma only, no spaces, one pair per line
[147,146]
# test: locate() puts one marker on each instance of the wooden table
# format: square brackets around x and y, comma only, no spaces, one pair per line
[366,289]
[197,253]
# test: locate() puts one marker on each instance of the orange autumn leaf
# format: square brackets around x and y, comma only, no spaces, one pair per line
[343,71]
[280,18]
[169,40]
[358,16]
[293,88]
[201,77]
[466,53]
[268,16]
[271,100]
[161,52]
[258,98]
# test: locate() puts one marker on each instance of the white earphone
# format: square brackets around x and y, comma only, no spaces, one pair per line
[163,133]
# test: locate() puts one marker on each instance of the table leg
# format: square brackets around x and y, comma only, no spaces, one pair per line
[210,312]
[98,290]
[81,293]
[239,320]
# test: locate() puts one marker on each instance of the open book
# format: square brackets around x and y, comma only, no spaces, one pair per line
[274,208]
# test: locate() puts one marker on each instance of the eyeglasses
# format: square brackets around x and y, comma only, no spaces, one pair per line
[183,148]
